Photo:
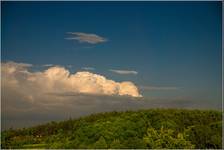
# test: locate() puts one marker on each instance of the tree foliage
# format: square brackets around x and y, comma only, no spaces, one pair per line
[153,128]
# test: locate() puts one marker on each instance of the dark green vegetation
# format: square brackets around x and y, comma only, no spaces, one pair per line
[154,128]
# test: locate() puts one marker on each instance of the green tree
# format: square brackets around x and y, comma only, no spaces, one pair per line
[116,144]
[134,143]
[101,143]
[206,136]
[165,138]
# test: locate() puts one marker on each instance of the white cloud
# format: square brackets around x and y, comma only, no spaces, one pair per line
[88,68]
[124,72]
[152,88]
[11,64]
[35,85]
[86,37]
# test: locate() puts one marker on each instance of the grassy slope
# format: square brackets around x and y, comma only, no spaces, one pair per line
[153,128]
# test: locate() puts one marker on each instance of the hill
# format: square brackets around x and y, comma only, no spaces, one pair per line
[153,128]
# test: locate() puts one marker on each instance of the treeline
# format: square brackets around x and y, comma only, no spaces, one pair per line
[153,128]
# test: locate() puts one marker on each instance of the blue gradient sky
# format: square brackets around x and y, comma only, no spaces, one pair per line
[169,44]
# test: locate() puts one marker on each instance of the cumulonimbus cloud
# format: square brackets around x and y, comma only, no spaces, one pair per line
[57,79]
[124,72]
[86,37]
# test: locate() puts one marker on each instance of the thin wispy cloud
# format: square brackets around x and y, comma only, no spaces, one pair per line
[88,68]
[69,66]
[86,37]
[152,88]
[124,72]
[48,65]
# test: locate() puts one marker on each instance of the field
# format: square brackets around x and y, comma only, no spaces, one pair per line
[153,128]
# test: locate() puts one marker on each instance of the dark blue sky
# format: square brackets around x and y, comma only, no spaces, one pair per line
[169,44]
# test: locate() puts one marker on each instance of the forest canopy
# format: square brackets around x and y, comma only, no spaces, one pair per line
[153,128]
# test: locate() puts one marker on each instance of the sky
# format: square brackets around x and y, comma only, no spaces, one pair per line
[160,54]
